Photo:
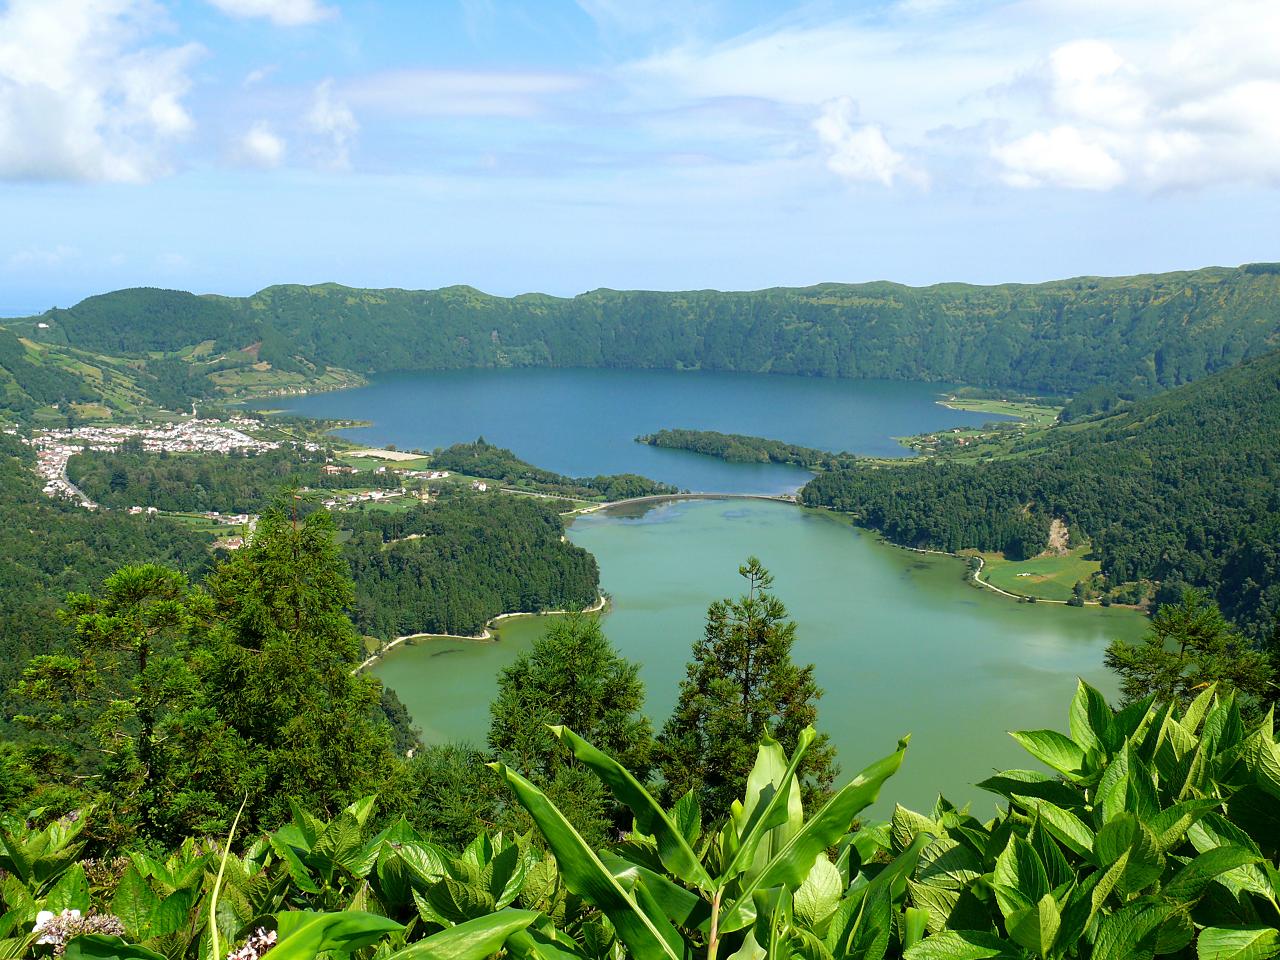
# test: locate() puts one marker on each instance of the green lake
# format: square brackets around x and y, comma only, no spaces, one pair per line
[901,643]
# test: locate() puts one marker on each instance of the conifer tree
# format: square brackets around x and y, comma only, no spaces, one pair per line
[741,686]
[286,673]
[129,697]
[1189,646]
[574,677]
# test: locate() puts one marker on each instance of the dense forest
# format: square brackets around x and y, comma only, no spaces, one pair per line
[49,548]
[483,459]
[1183,487]
[450,566]
[1103,338]
[739,448]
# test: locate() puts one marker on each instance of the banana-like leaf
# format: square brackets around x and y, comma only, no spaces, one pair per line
[97,947]
[1054,750]
[793,863]
[303,934]
[673,849]
[473,940]
[763,817]
[646,936]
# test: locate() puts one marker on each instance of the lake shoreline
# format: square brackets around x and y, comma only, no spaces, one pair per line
[486,635]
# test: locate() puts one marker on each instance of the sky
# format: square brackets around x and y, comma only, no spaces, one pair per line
[560,146]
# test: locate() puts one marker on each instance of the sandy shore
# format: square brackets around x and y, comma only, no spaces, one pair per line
[485,635]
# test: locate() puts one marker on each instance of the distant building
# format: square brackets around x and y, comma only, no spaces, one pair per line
[479,486]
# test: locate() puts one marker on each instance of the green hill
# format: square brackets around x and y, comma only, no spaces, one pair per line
[1101,337]
[1184,486]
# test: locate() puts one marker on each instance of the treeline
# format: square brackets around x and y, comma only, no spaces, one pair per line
[483,459]
[453,565]
[739,448]
[1132,335]
[1182,488]
[234,482]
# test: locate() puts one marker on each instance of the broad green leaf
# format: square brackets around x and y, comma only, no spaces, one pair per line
[678,904]
[762,817]
[134,903]
[1238,943]
[71,892]
[1037,928]
[1090,718]
[297,870]
[1065,826]
[790,867]
[915,923]
[820,892]
[172,913]
[906,825]
[1030,783]
[1145,863]
[303,933]
[1171,824]
[646,936]
[1019,866]
[97,947]
[473,940]
[961,945]
[1054,750]
[673,847]
[1133,932]
[1198,708]
[1190,883]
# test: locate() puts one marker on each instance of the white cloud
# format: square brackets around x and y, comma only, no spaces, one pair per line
[283,13]
[333,120]
[81,97]
[262,146]
[1192,101]
[1079,94]
[1061,157]
[859,151]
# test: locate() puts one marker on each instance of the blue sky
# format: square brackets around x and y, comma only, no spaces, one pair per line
[224,145]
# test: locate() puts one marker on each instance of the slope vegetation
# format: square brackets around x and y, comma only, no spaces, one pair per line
[1109,337]
[1184,486]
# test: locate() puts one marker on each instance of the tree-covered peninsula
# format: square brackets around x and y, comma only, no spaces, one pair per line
[739,448]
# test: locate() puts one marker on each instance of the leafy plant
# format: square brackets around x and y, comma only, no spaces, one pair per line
[1157,837]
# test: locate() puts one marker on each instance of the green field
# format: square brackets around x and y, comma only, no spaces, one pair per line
[1027,410]
[1046,578]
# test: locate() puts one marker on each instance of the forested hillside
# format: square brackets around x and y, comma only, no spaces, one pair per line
[1184,486]
[50,547]
[451,566]
[1095,336]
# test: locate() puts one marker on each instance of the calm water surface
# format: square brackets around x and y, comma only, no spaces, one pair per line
[584,422]
[901,643]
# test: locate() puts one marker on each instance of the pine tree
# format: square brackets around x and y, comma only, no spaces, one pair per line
[741,686]
[1189,646]
[286,673]
[130,696]
[573,677]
